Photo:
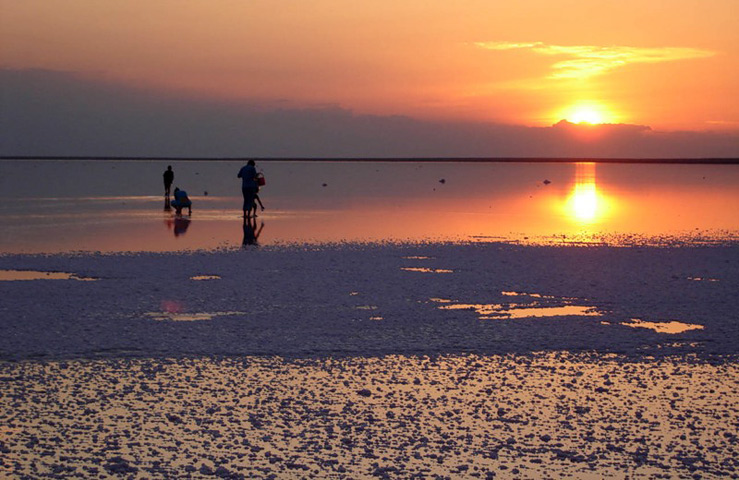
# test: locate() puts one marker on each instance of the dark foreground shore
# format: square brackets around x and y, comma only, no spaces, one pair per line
[549,415]
[372,361]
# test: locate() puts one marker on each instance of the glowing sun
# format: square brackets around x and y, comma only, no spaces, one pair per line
[592,113]
[586,115]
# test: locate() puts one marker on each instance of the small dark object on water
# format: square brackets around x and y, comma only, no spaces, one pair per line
[442,181]
[546,182]
[364,392]
[205,193]
[325,184]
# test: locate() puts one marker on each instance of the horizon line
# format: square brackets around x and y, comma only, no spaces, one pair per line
[687,160]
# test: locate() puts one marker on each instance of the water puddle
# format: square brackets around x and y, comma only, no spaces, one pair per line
[535,295]
[24,275]
[370,308]
[497,311]
[199,278]
[672,327]
[703,279]
[426,270]
[423,269]
[188,317]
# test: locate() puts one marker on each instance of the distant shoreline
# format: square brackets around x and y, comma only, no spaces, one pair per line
[702,161]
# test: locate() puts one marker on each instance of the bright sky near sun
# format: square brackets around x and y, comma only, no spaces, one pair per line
[670,65]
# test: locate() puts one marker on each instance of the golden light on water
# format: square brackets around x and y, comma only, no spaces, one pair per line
[586,204]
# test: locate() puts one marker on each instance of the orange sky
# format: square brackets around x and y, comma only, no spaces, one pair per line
[670,65]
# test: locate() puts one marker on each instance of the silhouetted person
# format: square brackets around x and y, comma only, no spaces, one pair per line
[251,234]
[257,200]
[260,182]
[181,200]
[249,186]
[168,179]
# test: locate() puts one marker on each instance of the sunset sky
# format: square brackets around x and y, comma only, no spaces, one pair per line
[667,65]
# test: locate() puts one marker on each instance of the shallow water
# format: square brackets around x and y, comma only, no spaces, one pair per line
[27,275]
[118,206]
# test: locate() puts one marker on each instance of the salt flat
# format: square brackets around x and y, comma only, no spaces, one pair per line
[374,299]
[372,360]
[550,415]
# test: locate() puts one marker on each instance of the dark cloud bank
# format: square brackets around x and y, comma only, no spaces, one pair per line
[45,113]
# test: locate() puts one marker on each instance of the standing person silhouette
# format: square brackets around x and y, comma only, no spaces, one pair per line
[249,186]
[168,179]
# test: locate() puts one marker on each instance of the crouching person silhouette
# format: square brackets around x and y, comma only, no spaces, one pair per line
[181,200]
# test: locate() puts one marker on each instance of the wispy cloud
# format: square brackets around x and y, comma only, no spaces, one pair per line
[584,61]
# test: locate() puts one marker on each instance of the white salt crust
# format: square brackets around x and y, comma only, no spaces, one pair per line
[341,361]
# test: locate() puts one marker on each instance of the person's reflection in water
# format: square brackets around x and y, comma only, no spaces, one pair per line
[251,234]
[181,225]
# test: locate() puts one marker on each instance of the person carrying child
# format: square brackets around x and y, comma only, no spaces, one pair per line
[250,182]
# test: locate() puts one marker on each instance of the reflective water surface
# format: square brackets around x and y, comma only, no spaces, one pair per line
[534,306]
[25,275]
[672,327]
[109,206]
[188,317]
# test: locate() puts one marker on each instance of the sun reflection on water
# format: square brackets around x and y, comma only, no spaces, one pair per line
[586,204]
